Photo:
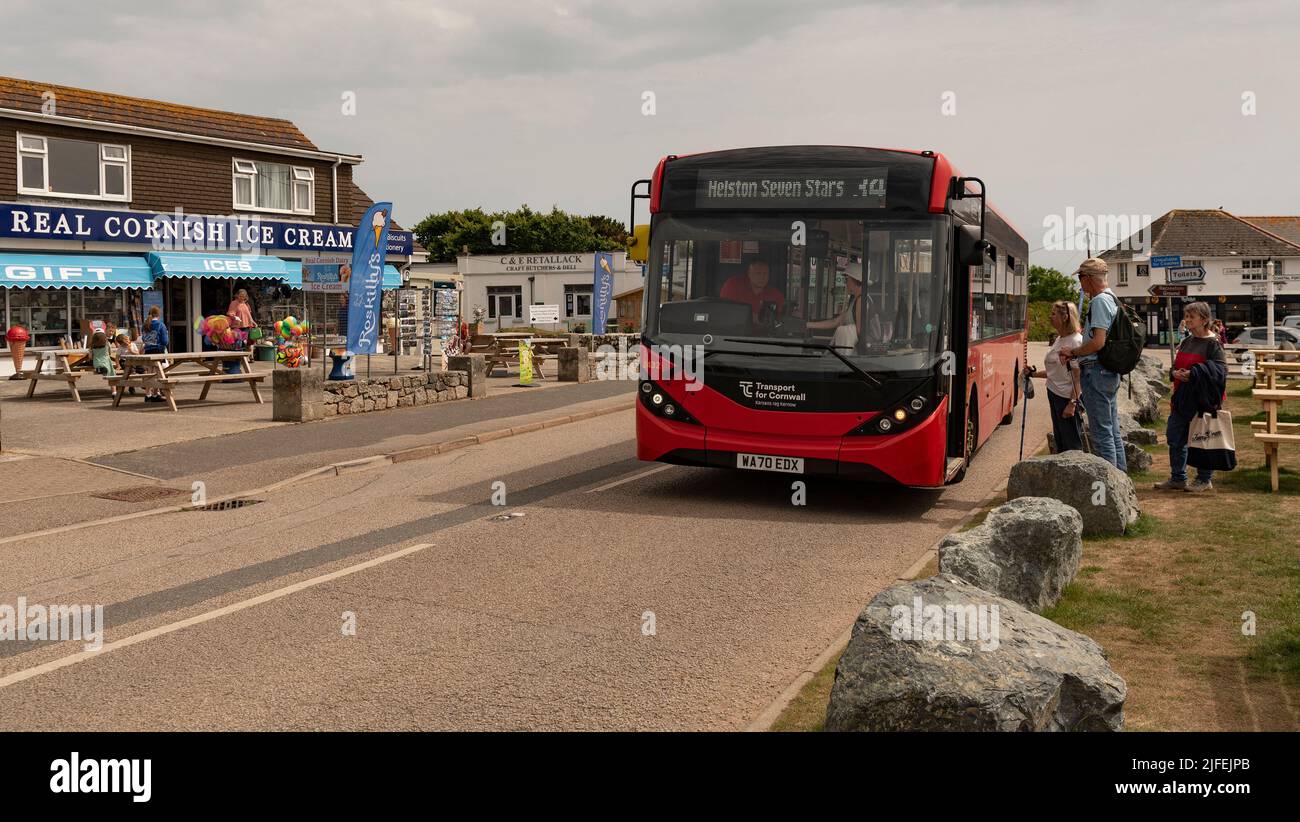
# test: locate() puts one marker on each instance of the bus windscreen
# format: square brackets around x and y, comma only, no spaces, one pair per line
[874,289]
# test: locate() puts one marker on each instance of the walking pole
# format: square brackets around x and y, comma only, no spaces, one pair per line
[1024,415]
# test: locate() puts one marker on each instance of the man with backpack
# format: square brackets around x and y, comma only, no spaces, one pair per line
[1111,348]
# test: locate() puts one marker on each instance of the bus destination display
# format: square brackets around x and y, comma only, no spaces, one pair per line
[813,188]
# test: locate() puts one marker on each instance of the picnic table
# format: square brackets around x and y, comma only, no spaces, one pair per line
[60,368]
[503,350]
[166,371]
[1271,395]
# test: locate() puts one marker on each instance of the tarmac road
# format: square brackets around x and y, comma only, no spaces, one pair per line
[628,596]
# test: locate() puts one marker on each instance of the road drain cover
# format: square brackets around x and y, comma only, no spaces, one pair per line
[140,493]
[225,505]
[507,517]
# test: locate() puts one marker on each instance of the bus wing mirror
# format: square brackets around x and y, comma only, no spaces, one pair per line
[971,246]
[638,243]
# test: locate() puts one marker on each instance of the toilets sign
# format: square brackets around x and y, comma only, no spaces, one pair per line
[180,231]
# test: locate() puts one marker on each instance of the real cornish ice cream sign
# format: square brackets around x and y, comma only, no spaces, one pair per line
[179,231]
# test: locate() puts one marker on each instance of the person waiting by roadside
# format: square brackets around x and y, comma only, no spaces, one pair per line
[1200,381]
[1063,384]
[1221,331]
[1100,384]
[156,341]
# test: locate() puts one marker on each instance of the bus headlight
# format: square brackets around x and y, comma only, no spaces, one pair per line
[900,415]
[661,404]
[917,404]
[885,424]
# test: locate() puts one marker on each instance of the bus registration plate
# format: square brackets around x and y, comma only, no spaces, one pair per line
[768,462]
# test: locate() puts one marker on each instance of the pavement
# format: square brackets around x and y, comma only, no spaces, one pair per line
[622,595]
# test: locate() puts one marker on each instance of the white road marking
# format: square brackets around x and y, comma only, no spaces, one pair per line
[82,656]
[632,478]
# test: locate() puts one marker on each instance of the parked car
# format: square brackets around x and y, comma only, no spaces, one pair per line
[1292,321]
[1256,337]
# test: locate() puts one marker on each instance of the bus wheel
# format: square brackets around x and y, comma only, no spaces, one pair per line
[1015,396]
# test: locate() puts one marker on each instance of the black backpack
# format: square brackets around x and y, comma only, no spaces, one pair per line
[1124,341]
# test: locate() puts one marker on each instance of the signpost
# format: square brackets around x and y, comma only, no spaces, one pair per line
[1167,291]
[1185,274]
[543,314]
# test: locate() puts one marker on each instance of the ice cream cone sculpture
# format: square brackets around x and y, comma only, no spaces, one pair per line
[17,337]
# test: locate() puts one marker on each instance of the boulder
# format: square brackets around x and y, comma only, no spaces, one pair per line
[1101,493]
[1026,551]
[909,668]
[1132,431]
[1136,458]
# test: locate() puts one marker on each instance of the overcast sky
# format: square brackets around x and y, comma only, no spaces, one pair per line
[1103,107]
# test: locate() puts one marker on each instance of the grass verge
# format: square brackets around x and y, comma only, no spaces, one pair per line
[1197,606]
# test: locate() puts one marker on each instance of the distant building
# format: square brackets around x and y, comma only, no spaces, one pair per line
[1234,251]
[505,285]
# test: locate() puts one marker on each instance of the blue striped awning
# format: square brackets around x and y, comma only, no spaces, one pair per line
[233,266]
[74,271]
[392,278]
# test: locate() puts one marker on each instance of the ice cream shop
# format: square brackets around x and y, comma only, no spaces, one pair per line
[111,205]
[57,291]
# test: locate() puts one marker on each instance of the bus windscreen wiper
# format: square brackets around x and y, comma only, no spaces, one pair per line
[811,346]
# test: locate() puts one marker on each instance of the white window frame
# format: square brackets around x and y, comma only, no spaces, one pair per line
[1259,270]
[1123,273]
[298,175]
[123,162]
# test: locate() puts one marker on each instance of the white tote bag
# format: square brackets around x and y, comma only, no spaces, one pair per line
[1210,442]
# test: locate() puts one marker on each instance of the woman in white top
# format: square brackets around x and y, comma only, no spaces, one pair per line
[1062,379]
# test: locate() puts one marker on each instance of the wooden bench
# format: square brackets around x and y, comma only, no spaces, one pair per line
[1271,432]
[164,372]
[504,353]
[68,365]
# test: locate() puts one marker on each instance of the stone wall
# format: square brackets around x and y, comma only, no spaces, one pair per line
[360,396]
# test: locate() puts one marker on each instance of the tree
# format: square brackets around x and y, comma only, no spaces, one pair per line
[526,232]
[1050,285]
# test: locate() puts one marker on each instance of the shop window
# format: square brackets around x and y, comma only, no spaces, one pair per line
[505,302]
[42,311]
[577,301]
[274,187]
[78,169]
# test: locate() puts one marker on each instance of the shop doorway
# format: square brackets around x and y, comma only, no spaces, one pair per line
[177,305]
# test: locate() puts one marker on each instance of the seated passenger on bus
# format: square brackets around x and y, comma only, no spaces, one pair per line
[752,288]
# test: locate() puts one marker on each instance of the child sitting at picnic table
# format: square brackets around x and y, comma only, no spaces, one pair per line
[124,347]
[101,357]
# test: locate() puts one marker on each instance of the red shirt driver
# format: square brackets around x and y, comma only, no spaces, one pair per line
[752,288]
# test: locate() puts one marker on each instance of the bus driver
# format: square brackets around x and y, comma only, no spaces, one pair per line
[752,288]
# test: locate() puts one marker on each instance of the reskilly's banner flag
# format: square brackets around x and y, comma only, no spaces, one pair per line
[364,296]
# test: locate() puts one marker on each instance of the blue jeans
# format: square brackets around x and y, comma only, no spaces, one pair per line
[1176,433]
[1100,400]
